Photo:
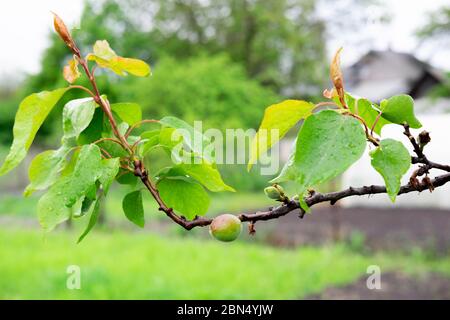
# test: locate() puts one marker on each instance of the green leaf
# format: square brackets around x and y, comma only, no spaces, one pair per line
[152,140]
[53,206]
[163,137]
[366,110]
[88,200]
[188,198]
[207,175]
[70,166]
[87,171]
[109,170]
[84,204]
[168,138]
[392,160]
[105,57]
[77,115]
[280,117]
[203,172]
[127,178]
[131,113]
[113,148]
[103,50]
[328,144]
[400,109]
[133,208]
[151,134]
[32,112]
[196,141]
[287,172]
[52,209]
[94,131]
[122,127]
[44,169]
[92,220]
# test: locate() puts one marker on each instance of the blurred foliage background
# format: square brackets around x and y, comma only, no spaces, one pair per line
[219,61]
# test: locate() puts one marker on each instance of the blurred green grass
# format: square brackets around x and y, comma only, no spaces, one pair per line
[120,265]
[144,266]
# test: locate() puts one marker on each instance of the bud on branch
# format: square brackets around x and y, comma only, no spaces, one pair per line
[61,29]
[424,139]
[337,78]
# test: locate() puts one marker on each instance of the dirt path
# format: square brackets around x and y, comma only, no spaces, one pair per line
[393,286]
[381,228]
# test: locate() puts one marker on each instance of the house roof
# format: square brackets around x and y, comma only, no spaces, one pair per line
[381,74]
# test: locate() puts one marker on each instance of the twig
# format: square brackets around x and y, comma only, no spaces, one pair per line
[106,153]
[414,143]
[430,164]
[83,88]
[109,139]
[326,103]
[375,122]
[369,136]
[130,129]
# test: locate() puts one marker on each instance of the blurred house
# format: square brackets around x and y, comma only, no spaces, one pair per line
[381,74]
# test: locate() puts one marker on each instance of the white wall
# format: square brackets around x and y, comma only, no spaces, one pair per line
[438,150]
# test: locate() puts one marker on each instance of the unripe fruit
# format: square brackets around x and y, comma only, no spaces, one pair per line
[275,192]
[225,227]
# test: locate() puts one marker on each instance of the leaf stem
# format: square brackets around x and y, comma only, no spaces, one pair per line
[326,103]
[369,136]
[136,125]
[109,139]
[375,122]
[83,88]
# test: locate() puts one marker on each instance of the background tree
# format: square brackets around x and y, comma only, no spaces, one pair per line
[279,43]
[437,29]
[437,26]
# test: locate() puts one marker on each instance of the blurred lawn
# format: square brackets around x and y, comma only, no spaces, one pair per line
[116,264]
[119,265]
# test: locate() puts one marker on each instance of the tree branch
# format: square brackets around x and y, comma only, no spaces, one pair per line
[313,199]
[417,149]
[293,205]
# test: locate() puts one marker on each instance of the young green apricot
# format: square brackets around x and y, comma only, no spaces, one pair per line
[225,227]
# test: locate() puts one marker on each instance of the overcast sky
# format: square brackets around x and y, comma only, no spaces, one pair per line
[25,25]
